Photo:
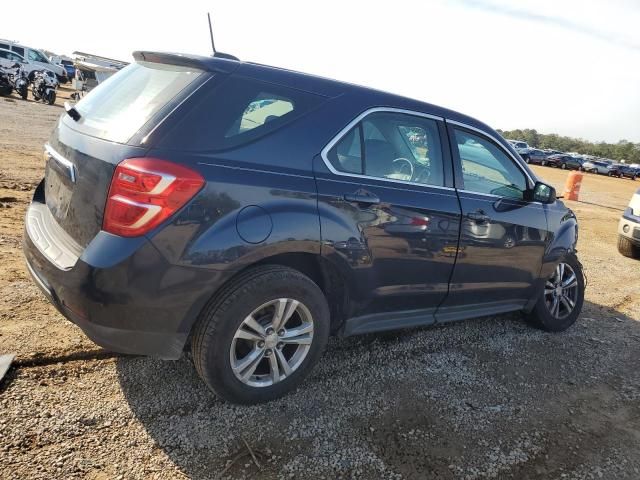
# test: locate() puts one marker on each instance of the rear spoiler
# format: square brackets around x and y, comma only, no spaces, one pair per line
[220,62]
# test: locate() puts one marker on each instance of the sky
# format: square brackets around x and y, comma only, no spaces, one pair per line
[559,66]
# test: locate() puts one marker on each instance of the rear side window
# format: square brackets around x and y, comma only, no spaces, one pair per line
[117,108]
[4,45]
[237,111]
[264,108]
[18,50]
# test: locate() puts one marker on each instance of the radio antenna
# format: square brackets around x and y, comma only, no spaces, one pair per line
[213,45]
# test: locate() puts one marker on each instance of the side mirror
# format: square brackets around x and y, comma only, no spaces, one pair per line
[543,193]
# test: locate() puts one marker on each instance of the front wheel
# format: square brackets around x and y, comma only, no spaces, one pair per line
[543,163]
[261,336]
[627,248]
[560,302]
[564,166]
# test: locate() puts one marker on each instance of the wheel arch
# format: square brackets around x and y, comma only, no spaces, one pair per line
[322,272]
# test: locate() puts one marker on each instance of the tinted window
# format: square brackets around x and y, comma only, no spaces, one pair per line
[18,50]
[240,110]
[393,146]
[4,45]
[117,108]
[487,169]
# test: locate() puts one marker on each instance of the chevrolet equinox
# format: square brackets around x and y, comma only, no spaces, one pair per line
[245,213]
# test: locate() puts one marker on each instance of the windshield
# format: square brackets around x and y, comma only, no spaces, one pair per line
[117,108]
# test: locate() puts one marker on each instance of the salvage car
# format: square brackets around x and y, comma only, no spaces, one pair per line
[566,162]
[535,156]
[596,166]
[245,213]
[623,171]
[629,228]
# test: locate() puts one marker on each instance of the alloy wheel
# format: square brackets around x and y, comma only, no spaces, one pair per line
[271,342]
[561,291]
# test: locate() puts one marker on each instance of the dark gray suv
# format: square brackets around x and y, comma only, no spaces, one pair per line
[246,213]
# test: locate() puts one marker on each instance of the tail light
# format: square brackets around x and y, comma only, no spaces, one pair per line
[144,192]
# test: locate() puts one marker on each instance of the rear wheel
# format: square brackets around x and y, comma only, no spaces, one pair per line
[627,248]
[261,336]
[561,300]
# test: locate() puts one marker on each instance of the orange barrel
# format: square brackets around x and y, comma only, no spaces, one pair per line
[572,187]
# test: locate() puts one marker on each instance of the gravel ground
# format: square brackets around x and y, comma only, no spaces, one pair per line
[487,398]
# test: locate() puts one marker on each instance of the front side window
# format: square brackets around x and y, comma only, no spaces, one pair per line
[394,146]
[487,169]
[36,56]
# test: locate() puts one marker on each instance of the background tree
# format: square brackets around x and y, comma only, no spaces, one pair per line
[623,150]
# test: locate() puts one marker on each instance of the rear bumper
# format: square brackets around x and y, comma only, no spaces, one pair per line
[123,294]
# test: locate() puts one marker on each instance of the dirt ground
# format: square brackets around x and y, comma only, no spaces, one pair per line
[487,398]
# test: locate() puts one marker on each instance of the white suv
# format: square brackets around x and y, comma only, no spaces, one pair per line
[521,147]
[35,57]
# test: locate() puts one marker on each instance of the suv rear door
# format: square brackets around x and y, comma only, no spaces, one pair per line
[389,215]
[502,237]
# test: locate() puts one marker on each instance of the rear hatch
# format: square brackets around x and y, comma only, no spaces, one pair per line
[113,120]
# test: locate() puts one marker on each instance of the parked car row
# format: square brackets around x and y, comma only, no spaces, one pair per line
[573,161]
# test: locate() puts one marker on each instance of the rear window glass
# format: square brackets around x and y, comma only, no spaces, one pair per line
[118,107]
[238,111]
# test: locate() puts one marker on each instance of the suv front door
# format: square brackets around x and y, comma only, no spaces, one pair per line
[502,237]
[389,216]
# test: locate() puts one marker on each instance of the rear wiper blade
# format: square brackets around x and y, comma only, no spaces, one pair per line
[71,111]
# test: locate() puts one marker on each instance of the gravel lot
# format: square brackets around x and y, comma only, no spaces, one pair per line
[488,398]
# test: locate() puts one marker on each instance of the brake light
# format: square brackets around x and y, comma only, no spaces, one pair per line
[144,192]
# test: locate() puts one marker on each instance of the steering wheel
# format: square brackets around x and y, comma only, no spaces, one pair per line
[398,170]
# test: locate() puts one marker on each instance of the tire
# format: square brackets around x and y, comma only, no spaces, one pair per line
[541,316]
[626,248]
[564,166]
[527,160]
[543,163]
[214,344]
[51,98]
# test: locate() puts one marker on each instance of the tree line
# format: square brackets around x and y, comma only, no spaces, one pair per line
[623,150]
